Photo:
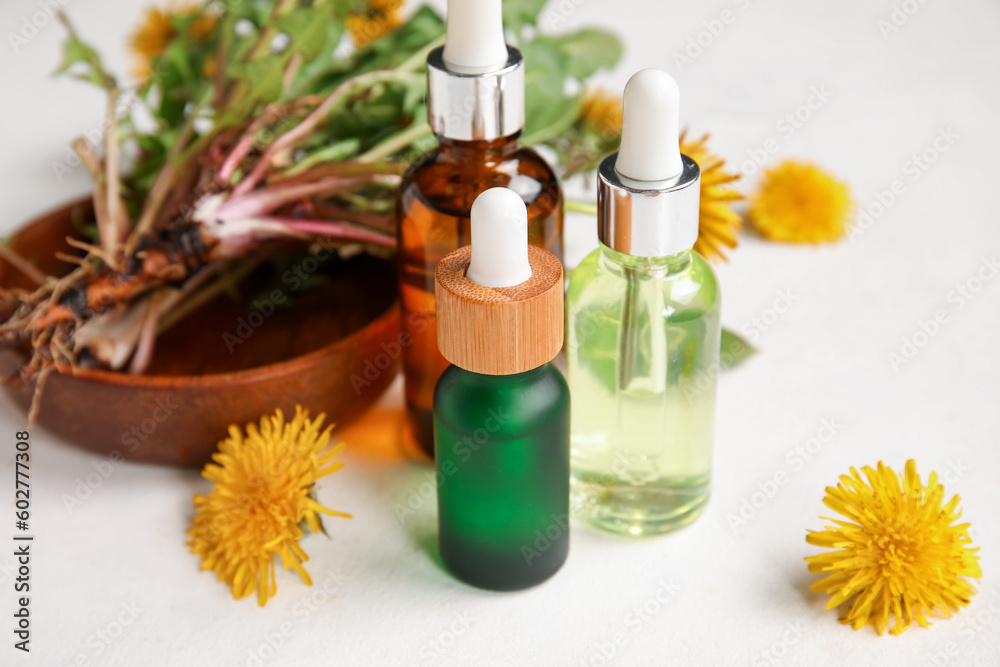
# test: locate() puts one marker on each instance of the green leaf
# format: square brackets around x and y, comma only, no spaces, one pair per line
[76,51]
[519,13]
[310,29]
[546,107]
[735,350]
[548,119]
[586,51]
[340,150]
[546,68]
[324,74]
[263,77]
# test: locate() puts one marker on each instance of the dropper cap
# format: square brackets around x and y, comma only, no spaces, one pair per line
[499,222]
[474,42]
[648,192]
[499,300]
[475,82]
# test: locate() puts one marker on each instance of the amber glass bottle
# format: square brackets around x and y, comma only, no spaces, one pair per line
[435,200]
[434,220]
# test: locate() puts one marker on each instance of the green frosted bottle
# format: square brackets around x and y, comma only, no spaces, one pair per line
[643,323]
[503,475]
[501,410]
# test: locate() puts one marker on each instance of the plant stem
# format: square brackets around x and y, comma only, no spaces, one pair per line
[173,167]
[246,142]
[8,255]
[419,58]
[302,131]
[335,230]
[590,208]
[119,222]
[143,353]
[396,142]
[197,298]
[93,166]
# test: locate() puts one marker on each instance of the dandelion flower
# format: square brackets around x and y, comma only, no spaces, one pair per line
[380,17]
[898,555]
[264,491]
[718,223]
[801,203]
[601,111]
[157,29]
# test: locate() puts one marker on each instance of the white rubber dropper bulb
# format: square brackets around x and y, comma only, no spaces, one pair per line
[499,239]
[474,43]
[650,148]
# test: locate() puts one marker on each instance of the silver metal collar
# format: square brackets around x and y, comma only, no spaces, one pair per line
[472,107]
[648,218]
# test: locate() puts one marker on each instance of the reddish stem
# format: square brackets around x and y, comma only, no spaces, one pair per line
[306,127]
[338,230]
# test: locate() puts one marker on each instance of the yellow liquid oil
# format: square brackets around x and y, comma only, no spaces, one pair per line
[642,352]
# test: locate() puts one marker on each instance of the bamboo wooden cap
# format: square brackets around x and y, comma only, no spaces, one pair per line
[499,330]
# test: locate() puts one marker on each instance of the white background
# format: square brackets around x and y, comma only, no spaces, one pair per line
[741,593]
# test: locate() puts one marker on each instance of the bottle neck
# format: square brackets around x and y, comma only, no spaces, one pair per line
[477,150]
[526,377]
[473,107]
[663,267]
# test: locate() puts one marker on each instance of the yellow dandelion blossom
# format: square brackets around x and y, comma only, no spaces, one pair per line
[801,203]
[718,223]
[156,30]
[380,17]
[264,490]
[900,554]
[601,111]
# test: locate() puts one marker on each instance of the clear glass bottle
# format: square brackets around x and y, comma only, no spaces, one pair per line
[475,98]
[642,353]
[643,332]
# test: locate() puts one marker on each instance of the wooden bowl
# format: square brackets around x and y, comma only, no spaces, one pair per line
[334,349]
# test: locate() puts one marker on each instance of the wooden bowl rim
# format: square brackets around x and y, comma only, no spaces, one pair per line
[209,379]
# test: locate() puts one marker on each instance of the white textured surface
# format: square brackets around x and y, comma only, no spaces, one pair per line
[876,102]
